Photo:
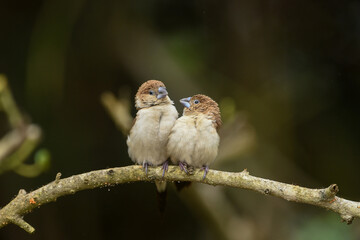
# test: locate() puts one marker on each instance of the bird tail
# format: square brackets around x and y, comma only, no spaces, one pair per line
[181,185]
[160,185]
[161,195]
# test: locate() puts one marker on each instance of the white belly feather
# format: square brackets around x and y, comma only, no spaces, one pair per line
[193,140]
[149,136]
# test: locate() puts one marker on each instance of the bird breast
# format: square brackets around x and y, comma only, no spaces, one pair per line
[148,137]
[193,140]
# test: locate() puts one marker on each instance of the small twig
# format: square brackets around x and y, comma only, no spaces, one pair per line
[41,163]
[24,203]
[8,104]
[21,141]
[10,142]
[119,110]
[57,178]
[22,144]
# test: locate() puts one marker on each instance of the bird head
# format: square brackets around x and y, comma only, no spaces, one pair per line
[151,93]
[201,104]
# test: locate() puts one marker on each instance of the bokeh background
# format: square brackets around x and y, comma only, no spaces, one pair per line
[286,75]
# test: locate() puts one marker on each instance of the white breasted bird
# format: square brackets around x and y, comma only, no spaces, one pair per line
[194,139]
[149,134]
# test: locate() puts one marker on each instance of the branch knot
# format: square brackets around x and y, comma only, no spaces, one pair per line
[329,193]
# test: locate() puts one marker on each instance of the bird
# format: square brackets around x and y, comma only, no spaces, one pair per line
[155,117]
[194,138]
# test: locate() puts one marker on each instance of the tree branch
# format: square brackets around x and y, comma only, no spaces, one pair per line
[24,202]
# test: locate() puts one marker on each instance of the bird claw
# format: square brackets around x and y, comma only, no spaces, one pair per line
[206,170]
[183,167]
[165,167]
[145,166]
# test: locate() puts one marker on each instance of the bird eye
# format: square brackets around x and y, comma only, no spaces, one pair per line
[196,101]
[151,92]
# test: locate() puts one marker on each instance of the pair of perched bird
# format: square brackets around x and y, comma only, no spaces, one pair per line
[158,134]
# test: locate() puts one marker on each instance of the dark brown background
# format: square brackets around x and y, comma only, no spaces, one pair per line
[291,69]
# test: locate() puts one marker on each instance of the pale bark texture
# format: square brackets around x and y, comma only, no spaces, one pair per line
[24,202]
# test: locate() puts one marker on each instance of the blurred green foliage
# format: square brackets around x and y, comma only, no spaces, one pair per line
[286,75]
[323,227]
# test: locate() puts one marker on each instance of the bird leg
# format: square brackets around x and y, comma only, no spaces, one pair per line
[183,167]
[165,167]
[206,170]
[145,166]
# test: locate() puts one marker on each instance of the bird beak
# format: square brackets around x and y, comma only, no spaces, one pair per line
[186,102]
[162,93]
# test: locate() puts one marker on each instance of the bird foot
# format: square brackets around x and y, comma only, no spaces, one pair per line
[183,167]
[191,170]
[165,167]
[206,170]
[145,166]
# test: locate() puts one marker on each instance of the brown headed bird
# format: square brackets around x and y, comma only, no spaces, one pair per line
[154,120]
[194,139]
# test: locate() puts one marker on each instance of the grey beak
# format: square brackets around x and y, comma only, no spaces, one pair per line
[186,102]
[162,93]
